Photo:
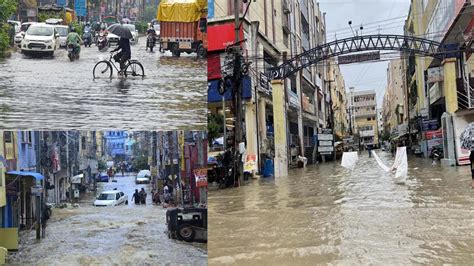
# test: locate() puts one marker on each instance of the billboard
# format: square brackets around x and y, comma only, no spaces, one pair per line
[80,7]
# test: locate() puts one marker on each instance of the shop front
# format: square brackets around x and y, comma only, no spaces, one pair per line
[22,206]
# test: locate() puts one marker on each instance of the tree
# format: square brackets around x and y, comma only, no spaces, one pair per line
[215,126]
[7,9]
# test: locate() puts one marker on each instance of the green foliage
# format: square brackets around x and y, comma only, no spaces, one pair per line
[215,126]
[44,15]
[102,165]
[79,28]
[141,26]
[141,162]
[150,13]
[7,9]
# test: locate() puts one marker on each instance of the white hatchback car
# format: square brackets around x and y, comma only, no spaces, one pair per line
[63,31]
[40,38]
[143,177]
[111,198]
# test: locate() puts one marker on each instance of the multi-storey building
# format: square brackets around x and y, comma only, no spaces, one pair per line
[273,31]
[364,114]
[440,92]
[395,101]
[339,102]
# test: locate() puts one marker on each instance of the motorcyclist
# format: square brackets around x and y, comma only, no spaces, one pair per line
[74,39]
[124,54]
[87,28]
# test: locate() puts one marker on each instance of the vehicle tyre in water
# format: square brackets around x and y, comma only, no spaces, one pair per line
[102,69]
[175,50]
[186,232]
[201,52]
[134,69]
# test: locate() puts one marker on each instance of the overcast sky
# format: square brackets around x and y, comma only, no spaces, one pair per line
[384,16]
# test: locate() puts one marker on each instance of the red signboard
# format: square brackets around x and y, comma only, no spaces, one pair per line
[213,66]
[435,134]
[221,36]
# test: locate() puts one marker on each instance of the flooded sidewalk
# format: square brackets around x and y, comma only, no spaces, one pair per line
[327,214]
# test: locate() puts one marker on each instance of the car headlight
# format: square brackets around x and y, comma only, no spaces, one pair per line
[49,41]
[27,40]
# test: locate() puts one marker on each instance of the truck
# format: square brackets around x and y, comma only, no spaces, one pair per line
[183,26]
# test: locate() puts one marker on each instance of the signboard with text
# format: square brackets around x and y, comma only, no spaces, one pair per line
[354,58]
[80,7]
[200,175]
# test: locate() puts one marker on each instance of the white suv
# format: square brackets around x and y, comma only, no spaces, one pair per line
[40,38]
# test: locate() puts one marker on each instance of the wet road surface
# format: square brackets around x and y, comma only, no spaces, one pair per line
[53,93]
[325,214]
[132,234]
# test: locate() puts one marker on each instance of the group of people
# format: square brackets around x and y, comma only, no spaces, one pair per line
[139,197]
[167,195]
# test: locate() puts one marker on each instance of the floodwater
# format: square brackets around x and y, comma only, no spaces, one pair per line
[54,93]
[126,234]
[325,214]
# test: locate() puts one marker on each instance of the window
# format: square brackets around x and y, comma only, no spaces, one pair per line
[8,137]
[117,196]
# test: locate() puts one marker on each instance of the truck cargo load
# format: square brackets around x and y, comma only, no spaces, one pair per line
[183,26]
[181,10]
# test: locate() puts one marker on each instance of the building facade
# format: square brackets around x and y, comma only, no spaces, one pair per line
[273,31]
[364,116]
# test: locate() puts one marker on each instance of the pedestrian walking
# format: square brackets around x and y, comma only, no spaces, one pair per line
[369,149]
[143,196]
[136,197]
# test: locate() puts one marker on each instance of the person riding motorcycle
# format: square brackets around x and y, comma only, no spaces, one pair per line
[87,28]
[150,32]
[74,39]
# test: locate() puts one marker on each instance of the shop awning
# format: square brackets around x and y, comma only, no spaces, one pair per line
[213,94]
[37,176]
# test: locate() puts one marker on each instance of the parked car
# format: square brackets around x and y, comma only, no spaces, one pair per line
[63,31]
[102,177]
[112,39]
[40,38]
[16,24]
[111,198]
[23,28]
[143,177]
[134,32]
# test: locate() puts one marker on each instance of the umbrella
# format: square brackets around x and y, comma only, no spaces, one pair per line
[467,137]
[120,31]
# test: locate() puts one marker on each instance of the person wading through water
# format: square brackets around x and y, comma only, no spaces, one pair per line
[136,197]
[143,196]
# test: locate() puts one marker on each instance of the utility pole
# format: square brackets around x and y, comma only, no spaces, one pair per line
[237,92]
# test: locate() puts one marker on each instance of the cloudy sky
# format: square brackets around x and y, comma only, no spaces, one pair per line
[384,16]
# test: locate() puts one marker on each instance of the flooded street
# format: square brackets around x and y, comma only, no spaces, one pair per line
[325,214]
[126,234]
[54,93]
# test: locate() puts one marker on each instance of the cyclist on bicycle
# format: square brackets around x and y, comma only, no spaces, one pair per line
[124,54]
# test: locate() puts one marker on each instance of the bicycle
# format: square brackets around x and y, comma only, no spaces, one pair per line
[132,68]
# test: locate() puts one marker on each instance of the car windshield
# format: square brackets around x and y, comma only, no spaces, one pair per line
[131,27]
[106,196]
[143,174]
[40,31]
[24,27]
[62,31]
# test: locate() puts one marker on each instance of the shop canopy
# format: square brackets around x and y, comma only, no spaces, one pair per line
[181,10]
[37,176]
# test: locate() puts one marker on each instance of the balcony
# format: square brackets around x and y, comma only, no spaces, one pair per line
[465,94]
[367,133]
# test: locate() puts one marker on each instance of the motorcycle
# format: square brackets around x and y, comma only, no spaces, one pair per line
[87,39]
[102,41]
[150,42]
[435,154]
[72,52]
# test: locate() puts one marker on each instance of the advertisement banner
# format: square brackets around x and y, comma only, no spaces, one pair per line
[434,134]
[221,36]
[250,163]
[200,175]
[80,7]
[210,9]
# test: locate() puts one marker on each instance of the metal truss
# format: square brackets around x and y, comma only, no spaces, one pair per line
[379,42]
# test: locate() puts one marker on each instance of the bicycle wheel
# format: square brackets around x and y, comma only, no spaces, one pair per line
[102,69]
[134,69]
